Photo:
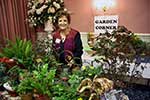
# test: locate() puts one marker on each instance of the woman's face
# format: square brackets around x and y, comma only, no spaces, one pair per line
[63,23]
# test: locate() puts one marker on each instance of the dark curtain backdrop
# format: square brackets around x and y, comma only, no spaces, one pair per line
[13,14]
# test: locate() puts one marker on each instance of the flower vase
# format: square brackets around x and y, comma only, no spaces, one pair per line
[48,26]
[40,33]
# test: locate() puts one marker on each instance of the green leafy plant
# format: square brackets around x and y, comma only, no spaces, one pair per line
[43,80]
[67,90]
[89,71]
[44,52]
[3,74]
[117,51]
[20,50]
[25,85]
[13,76]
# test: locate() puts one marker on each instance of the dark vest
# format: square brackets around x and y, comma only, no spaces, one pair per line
[69,44]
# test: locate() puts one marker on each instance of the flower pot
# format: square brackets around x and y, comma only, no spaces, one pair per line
[41,97]
[12,93]
[27,96]
[9,62]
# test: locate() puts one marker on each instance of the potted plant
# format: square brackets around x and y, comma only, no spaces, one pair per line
[20,52]
[3,75]
[43,82]
[13,80]
[25,88]
[67,89]
[93,89]
[9,63]
[117,51]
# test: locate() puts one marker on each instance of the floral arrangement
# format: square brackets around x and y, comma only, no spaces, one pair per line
[40,11]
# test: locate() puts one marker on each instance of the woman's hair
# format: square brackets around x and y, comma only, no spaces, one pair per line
[61,13]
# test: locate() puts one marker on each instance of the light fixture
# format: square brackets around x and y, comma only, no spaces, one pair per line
[104,4]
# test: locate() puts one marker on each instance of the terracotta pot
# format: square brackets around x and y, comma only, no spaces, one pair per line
[12,93]
[9,62]
[27,96]
[42,97]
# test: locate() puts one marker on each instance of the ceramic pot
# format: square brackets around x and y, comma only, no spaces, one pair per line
[42,97]
[27,96]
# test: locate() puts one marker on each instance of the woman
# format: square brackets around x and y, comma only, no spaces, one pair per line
[67,41]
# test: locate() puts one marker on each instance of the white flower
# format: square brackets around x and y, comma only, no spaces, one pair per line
[46,50]
[44,6]
[33,7]
[31,11]
[56,5]
[61,1]
[41,1]
[46,1]
[65,9]
[29,4]
[36,7]
[50,36]
[34,24]
[51,10]
[40,10]
[39,18]
[50,18]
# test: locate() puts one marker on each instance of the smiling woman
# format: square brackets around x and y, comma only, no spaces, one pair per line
[67,41]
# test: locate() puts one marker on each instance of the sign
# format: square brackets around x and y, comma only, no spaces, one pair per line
[105,23]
